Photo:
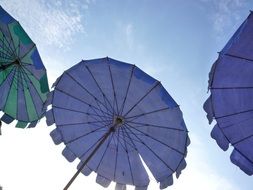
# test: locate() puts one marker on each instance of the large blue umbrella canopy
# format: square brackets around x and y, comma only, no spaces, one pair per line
[141,121]
[231,99]
[23,78]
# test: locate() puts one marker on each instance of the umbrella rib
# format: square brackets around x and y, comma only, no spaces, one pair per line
[88,122]
[129,163]
[243,139]
[107,146]
[241,121]
[86,113]
[28,51]
[79,99]
[151,112]
[117,150]
[113,87]
[92,146]
[104,96]
[32,98]
[132,146]
[9,53]
[84,135]
[6,78]
[6,53]
[150,149]
[236,113]
[95,98]
[22,80]
[147,135]
[10,88]
[156,126]
[13,50]
[131,140]
[238,57]
[231,88]
[28,71]
[149,91]
[35,89]
[9,44]
[128,86]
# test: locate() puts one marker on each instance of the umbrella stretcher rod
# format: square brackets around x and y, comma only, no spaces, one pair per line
[112,129]
[4,67]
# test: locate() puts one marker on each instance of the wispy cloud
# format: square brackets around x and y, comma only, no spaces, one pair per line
[225,13]
[49,22]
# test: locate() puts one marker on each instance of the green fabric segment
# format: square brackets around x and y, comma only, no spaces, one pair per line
[11,102]
[21,124]
[44,84]
[5,50]
[32,115]
[23,37]
[4,74]
[36,84]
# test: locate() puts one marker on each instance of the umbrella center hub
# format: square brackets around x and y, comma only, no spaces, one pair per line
[16,62]
[118,122]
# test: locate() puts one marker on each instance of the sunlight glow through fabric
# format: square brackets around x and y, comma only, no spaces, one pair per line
[142,122]
[23,78]
[231,99]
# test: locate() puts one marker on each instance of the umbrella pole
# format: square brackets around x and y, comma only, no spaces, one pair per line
[89,157]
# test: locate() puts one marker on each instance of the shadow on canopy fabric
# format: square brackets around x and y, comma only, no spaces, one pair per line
[230,102]
[23,78]
[115,104]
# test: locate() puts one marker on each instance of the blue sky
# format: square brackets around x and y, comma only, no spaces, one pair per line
[176,41]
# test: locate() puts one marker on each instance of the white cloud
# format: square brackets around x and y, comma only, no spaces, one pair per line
[129,35]
[226,14]
[49,22]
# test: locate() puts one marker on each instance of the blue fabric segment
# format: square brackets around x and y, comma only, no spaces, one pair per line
[68,154]
[220,138]
[86,170]
[32,124]
[242,162]
[166,182]
[37,60]
[139,74]
[103,181]
[56,136]
[167,98]
[5,17]
[7,119]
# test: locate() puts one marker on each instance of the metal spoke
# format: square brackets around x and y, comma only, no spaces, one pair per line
[103,94]
[113,87]
[144,144]
[151,112]
[95,98]
[128,86]
[80,100]
[84,135]
[232,114]
[147,93]
[147,135]
[155,126]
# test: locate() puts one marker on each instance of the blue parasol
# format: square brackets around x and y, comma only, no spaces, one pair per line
[230,102]
[113,117]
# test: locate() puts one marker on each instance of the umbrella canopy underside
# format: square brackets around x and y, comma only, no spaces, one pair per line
[230,103]
[23,79]
[89,98]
